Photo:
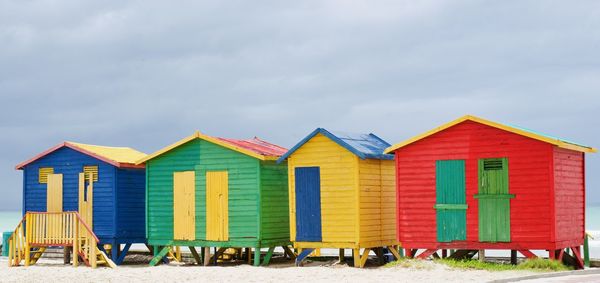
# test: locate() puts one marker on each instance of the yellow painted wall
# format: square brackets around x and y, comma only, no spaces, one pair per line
[377,202]
[338,187]
[388,201]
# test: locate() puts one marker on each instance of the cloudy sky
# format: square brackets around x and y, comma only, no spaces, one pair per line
[144,74]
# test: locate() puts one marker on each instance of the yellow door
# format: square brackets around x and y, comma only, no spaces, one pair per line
[54,197]
[184,201]
[86,199]
[217,206]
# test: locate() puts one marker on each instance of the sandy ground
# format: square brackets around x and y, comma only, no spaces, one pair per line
[422,271]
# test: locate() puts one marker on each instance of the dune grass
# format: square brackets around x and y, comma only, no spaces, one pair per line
[538,264]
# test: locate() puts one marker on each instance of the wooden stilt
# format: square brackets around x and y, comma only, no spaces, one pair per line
[444,253]
[268,256]
[289,252]
[206,256]
[481,255]
[426,253]
[123,253]
[341,256]
[561,253]
[114,251]
[528,254]
[249,255]
[513,257]
[364,257]
[578,259]
[356,255]
[394,251]
[160,255]
[256,256]
[195,254]
[67,255]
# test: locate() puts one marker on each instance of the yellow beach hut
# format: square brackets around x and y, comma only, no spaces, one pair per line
[342,195]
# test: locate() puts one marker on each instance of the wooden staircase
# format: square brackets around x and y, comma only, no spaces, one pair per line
[39,230]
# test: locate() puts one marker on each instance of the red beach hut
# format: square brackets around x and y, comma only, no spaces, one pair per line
[473,184]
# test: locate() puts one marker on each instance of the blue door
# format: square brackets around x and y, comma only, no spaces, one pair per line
[308,204]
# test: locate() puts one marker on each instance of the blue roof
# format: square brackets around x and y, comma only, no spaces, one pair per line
[362,145]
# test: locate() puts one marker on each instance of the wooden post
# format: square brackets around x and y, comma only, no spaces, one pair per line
[356,255]
[249,255]
[27,247]
[444,253]
[195,254]
[67,255]
[76,243]
[481,255]
[256,256]
[586,250]
[206,256]
[513,257]
[341,255]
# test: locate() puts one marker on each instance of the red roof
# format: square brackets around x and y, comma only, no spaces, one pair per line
[258,146]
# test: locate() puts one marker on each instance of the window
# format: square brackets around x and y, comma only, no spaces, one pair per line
[492,164]
[91,169]
[43,174]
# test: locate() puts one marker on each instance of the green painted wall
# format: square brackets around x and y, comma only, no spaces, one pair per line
[243,189]
[246,176]
[274,201]
[160,187]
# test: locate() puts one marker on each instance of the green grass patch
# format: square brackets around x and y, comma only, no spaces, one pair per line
[537,264]
[540,264]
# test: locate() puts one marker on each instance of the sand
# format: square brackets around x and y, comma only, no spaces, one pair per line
[423,271]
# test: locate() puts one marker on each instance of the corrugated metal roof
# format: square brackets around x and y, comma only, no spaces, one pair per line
[257,145]
[362,145]
[117,156]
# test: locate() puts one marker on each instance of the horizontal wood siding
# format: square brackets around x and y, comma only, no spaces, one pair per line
[70,163]
[274,201]
[160,187]
[529,164]
[338,169]
[370,200]
[131,204]
[569,191]
[377,201]
[388,201]
[243,172]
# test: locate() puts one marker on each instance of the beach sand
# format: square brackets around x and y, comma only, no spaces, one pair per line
[422,271]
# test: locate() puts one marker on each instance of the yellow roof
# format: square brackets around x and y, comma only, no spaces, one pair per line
[198,135]
[520,131]
[118,154]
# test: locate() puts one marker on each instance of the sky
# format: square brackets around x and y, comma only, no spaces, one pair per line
[145,74]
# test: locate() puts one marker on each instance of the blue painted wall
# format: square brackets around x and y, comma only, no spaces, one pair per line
[70,163]
[131,204]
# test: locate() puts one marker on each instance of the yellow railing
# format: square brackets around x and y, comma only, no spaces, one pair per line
[16,245]
[44,229]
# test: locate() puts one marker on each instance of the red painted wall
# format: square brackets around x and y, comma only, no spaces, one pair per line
[569,189]
[530,179]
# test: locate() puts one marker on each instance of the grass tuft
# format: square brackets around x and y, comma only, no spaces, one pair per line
[537,264]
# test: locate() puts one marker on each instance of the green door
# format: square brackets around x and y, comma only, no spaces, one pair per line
[494,200]
[451,203]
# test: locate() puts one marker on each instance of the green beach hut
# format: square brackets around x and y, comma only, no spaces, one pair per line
[205,191]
